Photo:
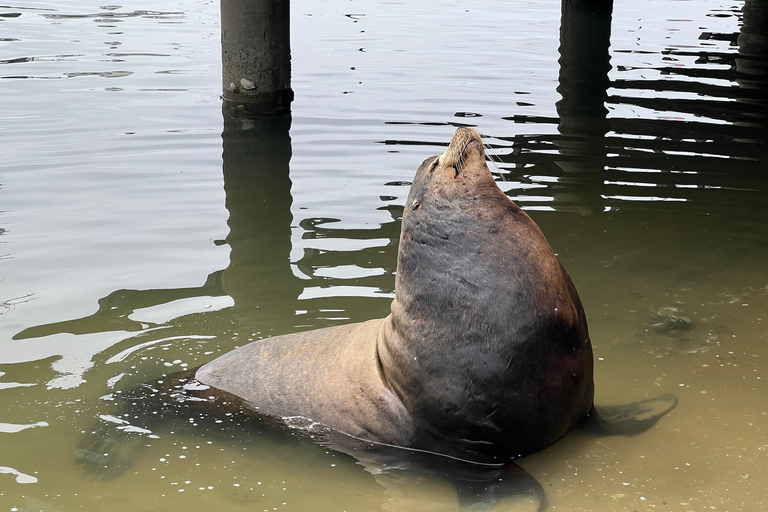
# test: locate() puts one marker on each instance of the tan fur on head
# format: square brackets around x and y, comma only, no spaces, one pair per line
[462,141]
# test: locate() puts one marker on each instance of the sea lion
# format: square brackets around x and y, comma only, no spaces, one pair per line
[485,355]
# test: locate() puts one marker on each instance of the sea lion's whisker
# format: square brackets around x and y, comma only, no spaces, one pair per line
[490,157]
[460,162]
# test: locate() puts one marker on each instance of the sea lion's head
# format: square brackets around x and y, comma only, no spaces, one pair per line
[467,252]
[466,153]
[456,173]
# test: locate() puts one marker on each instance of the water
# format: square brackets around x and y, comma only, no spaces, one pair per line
[143,232]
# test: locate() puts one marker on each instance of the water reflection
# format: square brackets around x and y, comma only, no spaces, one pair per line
[104,16]
[697,126]
[694,117]
[256,156]
[585,33]
[751,66]
[116,310]
[329,283]
[331,278]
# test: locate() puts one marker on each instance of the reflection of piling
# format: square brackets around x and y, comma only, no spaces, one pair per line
[256,52]
[585,37]
[256,157]
[585,32]
[752,65]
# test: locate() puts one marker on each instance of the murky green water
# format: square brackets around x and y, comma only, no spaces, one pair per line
[143,232]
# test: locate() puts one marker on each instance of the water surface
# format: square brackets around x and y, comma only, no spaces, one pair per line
[143,232]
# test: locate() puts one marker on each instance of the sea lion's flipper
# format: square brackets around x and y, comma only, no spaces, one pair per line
[113,442]
[630,419]
[479,487]
[106,452]
[512,488]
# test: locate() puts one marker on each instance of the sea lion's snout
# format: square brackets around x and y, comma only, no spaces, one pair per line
[464,142]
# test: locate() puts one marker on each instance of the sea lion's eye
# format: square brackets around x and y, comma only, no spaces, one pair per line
[433,166]
[415,204]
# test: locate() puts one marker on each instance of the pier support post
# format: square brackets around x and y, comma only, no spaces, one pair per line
[256,53]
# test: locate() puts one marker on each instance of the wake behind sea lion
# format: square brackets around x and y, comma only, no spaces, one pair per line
[485,355]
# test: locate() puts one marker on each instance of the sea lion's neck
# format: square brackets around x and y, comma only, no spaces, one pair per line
[433,385]
[450,317]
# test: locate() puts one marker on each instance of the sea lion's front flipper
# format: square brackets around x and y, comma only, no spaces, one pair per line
[630,419]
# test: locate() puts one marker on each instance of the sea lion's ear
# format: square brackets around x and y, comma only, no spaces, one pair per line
[429,163]
[434,163]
